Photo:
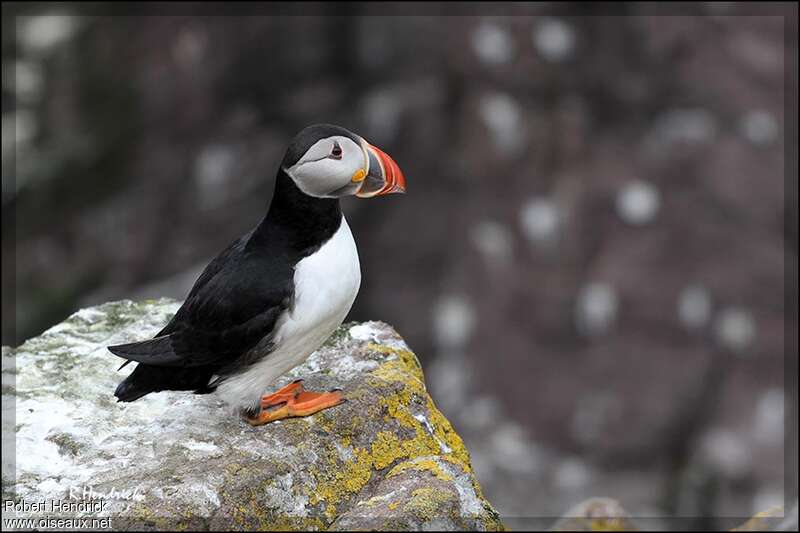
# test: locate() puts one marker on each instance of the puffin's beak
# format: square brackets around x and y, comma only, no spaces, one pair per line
[384,176]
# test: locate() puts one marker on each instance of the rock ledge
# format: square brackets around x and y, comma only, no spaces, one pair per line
[387,459]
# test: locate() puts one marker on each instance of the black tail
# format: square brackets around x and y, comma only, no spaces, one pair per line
[157,351]
[139,383]
[147,378]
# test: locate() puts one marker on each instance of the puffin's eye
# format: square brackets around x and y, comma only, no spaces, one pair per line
[336,151]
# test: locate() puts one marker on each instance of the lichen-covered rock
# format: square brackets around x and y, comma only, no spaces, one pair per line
[386,459]
[773,519]
[596,514]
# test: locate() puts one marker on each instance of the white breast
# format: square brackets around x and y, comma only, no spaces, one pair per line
[326,284]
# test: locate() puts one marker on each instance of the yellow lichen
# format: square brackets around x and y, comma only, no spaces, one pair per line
[606,524]
[760,521]
[289,523]
[433,435]
[252,515]
[426,503]
[406,361]
[422,465]
[405,371]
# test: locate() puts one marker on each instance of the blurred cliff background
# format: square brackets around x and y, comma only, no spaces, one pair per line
[592,260]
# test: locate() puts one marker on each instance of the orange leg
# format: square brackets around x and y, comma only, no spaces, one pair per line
[300,404]
[284,395]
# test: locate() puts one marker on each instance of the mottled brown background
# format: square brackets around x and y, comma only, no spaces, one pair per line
[591,257]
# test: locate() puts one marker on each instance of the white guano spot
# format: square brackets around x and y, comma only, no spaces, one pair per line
[199,446]
[90,315]
[442,446]
[207,493]
[364,332]
[468,498]
[345,452]
[346,367]
[281,495]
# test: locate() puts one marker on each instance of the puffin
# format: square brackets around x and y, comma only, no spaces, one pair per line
[275,295]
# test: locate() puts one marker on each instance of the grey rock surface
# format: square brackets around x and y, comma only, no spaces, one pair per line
[386,459]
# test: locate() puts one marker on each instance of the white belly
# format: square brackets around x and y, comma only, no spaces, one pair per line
[326,285]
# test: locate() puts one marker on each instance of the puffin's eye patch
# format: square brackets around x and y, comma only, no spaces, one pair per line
[336,151]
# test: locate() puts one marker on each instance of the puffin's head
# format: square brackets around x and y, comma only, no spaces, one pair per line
[329,161]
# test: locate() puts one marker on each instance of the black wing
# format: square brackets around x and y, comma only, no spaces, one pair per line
[235,302]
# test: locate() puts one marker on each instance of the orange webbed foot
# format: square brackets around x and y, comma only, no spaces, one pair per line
[294,402]
[283,395]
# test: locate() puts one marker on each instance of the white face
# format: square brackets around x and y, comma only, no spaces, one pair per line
[331,168]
